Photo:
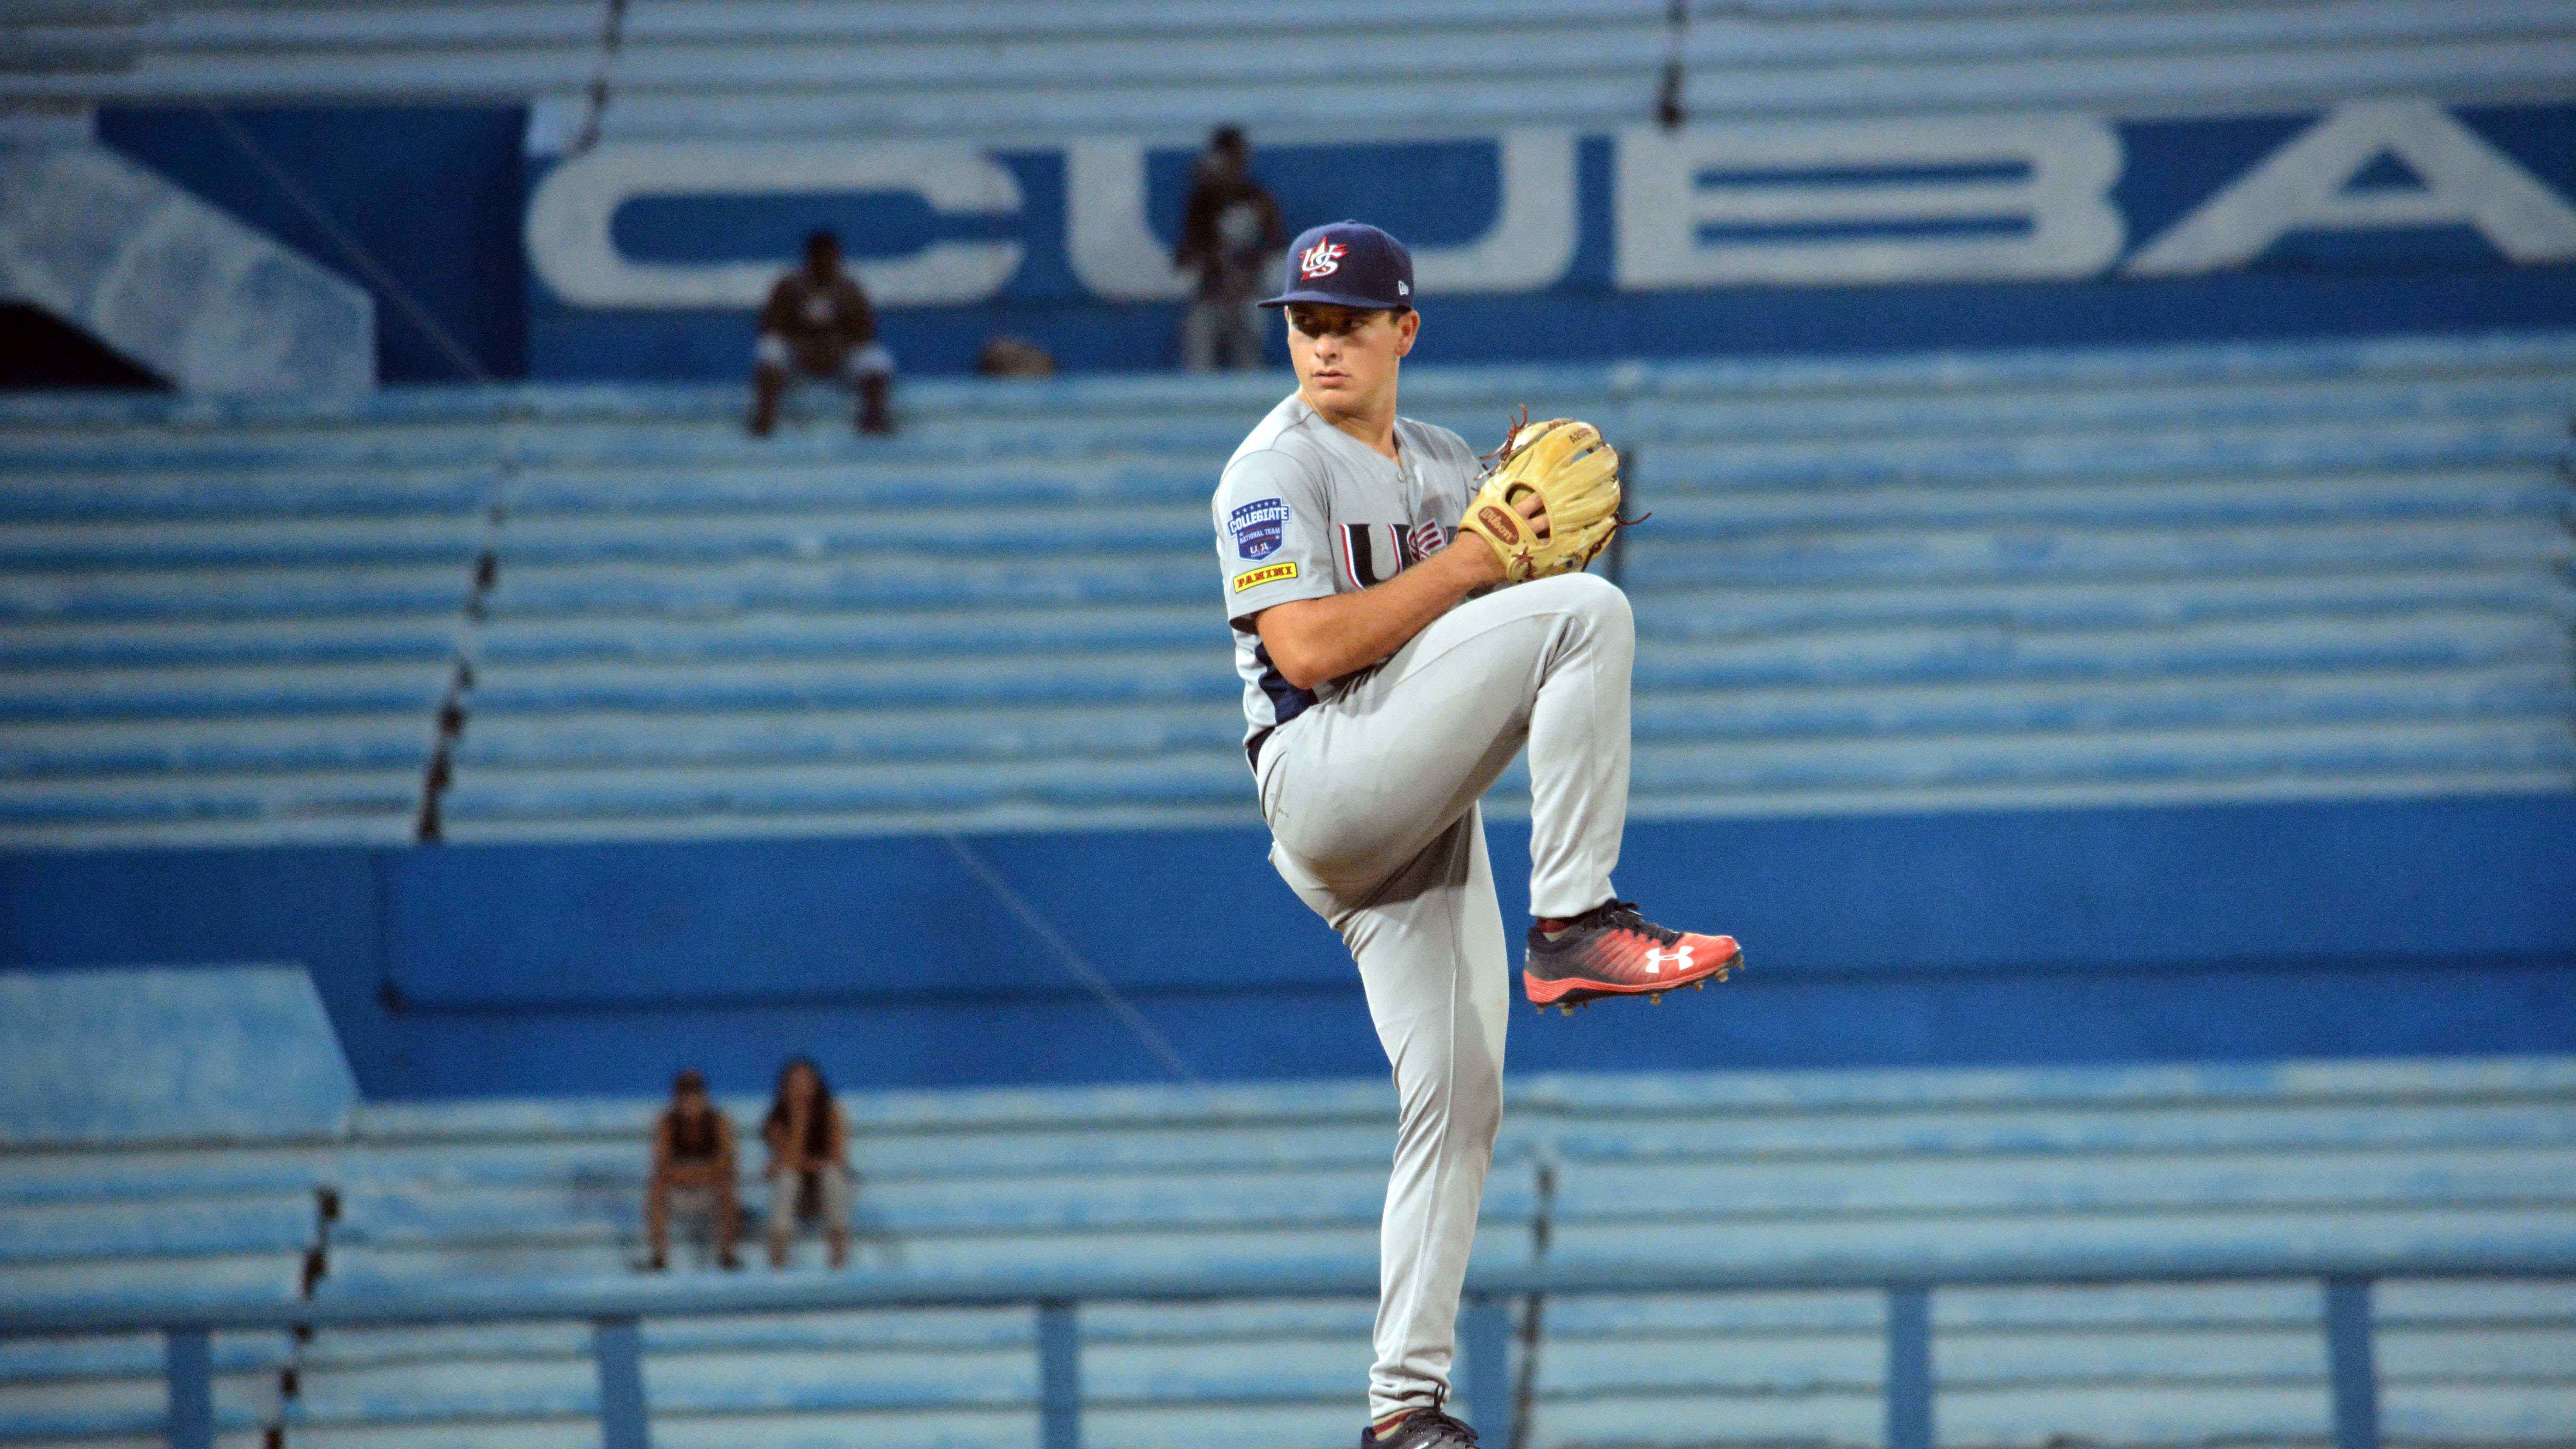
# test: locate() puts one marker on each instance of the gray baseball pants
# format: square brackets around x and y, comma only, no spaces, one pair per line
[1371,799]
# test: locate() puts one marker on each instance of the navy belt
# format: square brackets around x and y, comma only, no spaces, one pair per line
[1252,745]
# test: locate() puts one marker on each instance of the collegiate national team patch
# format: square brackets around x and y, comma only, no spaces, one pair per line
[1256,527]
[1255,578]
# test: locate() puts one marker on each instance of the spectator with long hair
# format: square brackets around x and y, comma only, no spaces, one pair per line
[809,1162]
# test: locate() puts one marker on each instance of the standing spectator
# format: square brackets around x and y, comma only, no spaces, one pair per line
[818,322]
[809,1162]
[693,1171]
[1230,229]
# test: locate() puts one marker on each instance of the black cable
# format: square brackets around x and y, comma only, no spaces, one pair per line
[612,39]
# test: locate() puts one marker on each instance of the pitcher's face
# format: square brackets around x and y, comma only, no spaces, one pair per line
[1346,357]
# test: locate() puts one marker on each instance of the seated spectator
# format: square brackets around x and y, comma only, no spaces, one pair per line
[1008,356]
[818,324]
[809,1162]
[693,1171]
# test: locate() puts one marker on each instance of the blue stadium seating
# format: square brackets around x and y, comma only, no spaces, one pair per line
[2329,569]
[1923,1167]
[848,68]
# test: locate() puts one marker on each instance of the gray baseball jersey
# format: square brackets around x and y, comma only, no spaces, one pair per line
[1305,510]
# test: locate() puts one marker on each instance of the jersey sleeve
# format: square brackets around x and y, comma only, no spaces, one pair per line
[1273,541]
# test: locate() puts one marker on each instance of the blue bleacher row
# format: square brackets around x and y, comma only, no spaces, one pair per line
[2174,573]
[1918,1167]
[694,68]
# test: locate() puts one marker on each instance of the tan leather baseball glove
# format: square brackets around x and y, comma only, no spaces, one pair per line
[1574,473]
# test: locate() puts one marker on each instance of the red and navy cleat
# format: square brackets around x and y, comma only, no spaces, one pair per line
[1610,950]
[1421,1429]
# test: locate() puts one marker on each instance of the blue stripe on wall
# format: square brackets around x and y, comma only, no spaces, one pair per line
[2213,932]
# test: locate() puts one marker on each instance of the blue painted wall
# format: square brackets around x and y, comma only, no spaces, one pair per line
[439,197]
[432,195]
[2309,282]
[2243,932]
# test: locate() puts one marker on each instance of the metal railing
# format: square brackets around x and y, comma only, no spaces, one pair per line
[615,1311]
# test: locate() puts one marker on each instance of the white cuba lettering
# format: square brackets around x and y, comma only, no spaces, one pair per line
[1529,246]
[2307,185]
[572,248]
[1868,201]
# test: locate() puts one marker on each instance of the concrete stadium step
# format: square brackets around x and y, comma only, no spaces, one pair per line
[274,1276]
[885,1156]
[269,691]
[145,1173]
[2377,497]
[2521,690]
[451,414]
[121,495]
[360,1268]
[98,644]
[1928,1244]
[495,804]
[1163,1200]
[2530,754]
[699,71]
[2109,1133]
[742,739]
[2274,1181]
[188,1227]
[992,531]
[1883,556]
[376,806]
[687,486]
[234,544]
[2182,452]
[871,582]
[1126,676]
[134,1355]
[329,592]
[1671,413]
[919,633]
[87,1410]
[1680,612]
[1089,677]
[2212,651]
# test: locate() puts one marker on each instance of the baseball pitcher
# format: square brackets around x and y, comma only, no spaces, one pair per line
[1405,622]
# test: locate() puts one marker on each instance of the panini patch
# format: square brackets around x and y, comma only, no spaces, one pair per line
[1255,578]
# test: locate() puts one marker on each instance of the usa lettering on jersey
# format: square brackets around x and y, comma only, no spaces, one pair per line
[1372,553]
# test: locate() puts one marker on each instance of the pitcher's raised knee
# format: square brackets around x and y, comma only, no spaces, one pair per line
[1595,598]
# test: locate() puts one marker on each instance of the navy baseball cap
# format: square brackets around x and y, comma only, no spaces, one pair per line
[1348,264]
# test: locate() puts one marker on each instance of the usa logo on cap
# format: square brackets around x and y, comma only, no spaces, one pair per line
[1348,264]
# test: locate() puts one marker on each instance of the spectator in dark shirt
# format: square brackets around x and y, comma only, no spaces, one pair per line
[1230,231]
[809,1162]
[693,1171]
[818,323]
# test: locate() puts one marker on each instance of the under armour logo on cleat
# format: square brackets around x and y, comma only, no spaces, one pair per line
[1679,958]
